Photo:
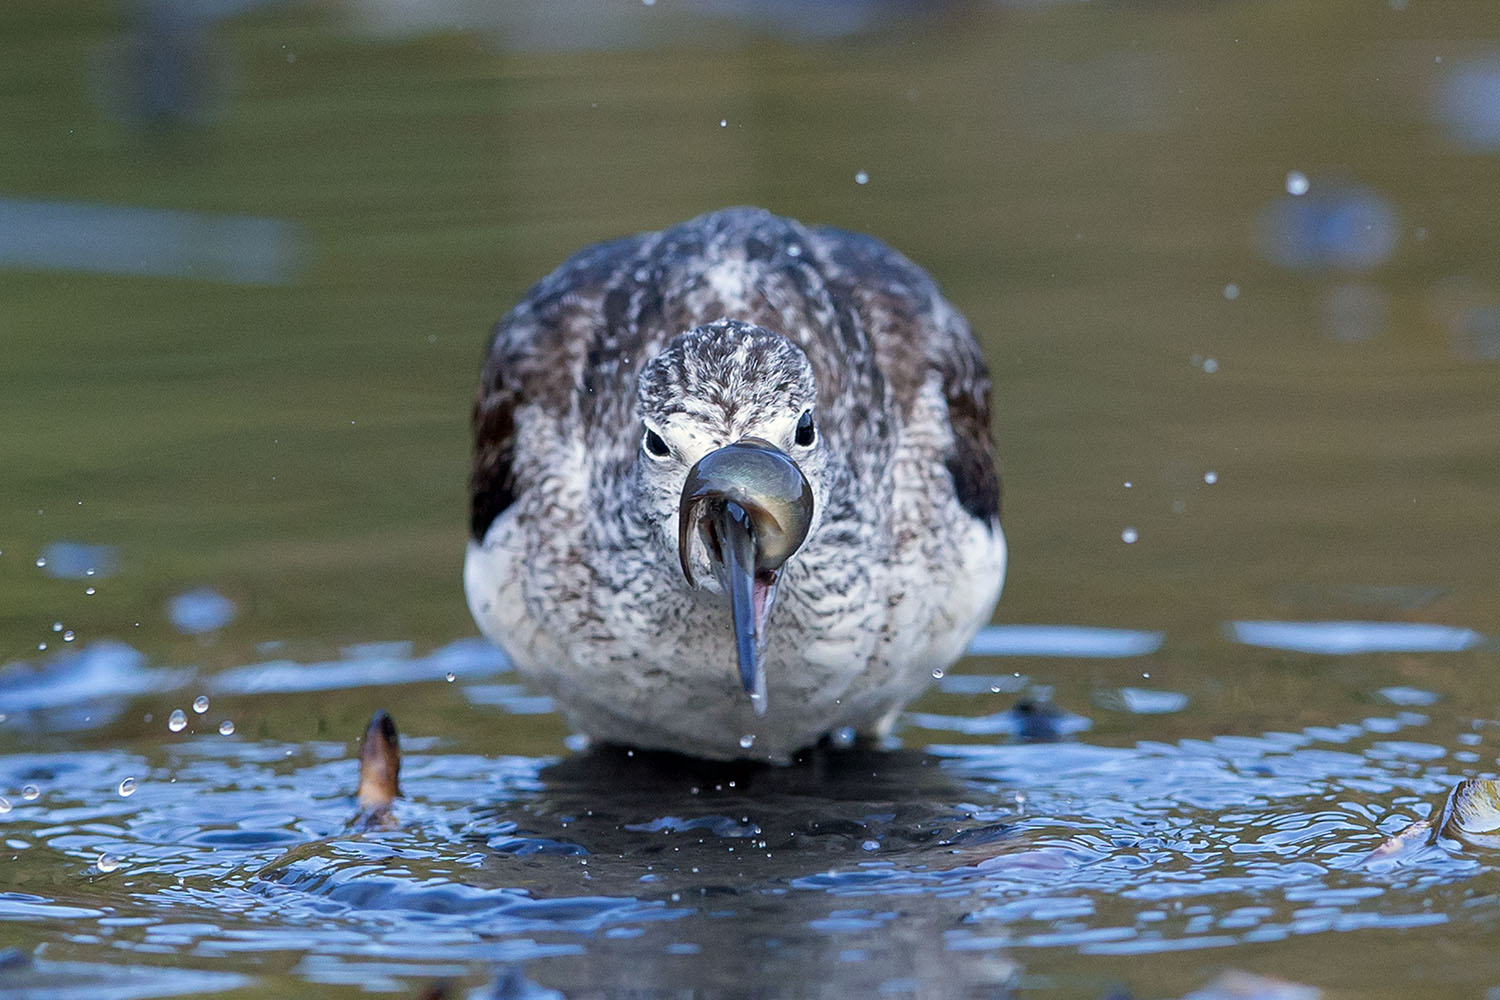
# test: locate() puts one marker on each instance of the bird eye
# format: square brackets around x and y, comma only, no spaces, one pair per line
[654,445]
[806,432]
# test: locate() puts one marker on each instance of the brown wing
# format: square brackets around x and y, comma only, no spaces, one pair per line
[917,333]
[971,461]
[492,480]
[531,367]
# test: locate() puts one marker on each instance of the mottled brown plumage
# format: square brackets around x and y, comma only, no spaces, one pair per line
[572,568]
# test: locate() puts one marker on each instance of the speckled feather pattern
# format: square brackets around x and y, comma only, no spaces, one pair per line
[572,566]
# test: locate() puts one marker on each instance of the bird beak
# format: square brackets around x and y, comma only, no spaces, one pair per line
[752,508]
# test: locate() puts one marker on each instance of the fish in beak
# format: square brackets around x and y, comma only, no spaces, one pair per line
[751,507]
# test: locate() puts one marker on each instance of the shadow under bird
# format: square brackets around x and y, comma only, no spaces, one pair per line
[733,488]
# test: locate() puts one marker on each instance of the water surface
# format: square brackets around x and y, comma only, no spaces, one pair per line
[1233,269]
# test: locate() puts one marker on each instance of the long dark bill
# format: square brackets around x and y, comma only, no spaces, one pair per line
[752,508]
[737,538]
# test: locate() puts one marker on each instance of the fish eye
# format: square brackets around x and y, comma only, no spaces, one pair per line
[806,432]
[654,445]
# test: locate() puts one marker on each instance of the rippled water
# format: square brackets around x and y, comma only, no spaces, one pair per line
[969,863]
[1232,266]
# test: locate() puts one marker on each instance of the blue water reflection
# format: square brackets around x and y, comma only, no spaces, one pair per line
[1346,638]
[364,666]
[126,239]
[1468,105]
[67,560]
[1063,640]
[201,610]
[1349,228]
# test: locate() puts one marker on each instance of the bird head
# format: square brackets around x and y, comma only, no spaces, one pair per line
[731,463]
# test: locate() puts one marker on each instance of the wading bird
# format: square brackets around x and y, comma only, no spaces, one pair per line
[733,490]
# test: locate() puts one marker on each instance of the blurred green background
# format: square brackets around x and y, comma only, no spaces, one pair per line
[1096,185]
[1233,265]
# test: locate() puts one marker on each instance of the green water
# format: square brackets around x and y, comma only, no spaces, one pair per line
[1086,181]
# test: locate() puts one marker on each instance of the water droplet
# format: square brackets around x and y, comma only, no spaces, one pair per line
[200,704]
[68,636]
[1296,183]
[843,736]
[41,646]
[937,673]
[90,571]
[31,793]
[177,721]
[107,863]
[226,728]
[1129,536]
[870,845]
[1128,484]
[4,805]
[1210,365]
[127,788]
[1210,477]
[1231,291]
[57,626]
[450,677]
[723,123]
[994,689]
[41,561]
[89,591]
[861,178]
[747,741]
